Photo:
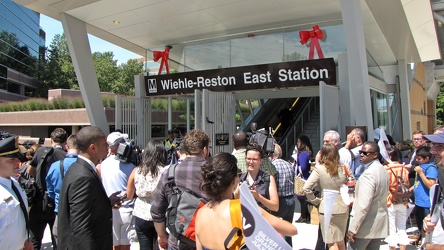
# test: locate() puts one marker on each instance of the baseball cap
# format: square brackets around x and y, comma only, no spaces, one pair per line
[436,138]
[115,137]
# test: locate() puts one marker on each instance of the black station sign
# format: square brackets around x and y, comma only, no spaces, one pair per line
[222,139]
[265,76]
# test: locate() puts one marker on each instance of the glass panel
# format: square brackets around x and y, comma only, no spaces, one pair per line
[379,109]
[393,109]
[205,56]
[280,46]
[257,50]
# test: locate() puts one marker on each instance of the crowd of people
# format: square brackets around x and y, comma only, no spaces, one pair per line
[93,198]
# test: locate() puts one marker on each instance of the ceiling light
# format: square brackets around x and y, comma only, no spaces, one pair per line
[116,21]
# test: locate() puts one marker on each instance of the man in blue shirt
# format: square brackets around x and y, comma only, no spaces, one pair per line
[54,177]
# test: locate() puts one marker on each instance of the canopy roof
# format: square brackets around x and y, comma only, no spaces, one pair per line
[394,30]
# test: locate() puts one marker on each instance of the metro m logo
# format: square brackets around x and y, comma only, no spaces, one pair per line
[152,86]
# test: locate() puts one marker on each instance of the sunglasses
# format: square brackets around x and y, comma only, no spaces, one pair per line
[365,153]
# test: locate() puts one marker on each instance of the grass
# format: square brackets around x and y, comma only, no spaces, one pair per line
[108,102]
[76,103]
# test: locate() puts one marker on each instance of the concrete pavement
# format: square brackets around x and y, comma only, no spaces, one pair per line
[306,238]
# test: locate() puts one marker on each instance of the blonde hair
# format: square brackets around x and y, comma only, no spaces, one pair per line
[277,151]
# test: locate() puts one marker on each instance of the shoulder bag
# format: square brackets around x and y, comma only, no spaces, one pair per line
[235,240]
[299,183]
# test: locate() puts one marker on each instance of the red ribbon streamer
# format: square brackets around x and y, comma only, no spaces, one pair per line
[163,55]
[314,35]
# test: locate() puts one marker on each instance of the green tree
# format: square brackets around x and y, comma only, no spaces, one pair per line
[125,83]
[59,70]
[106,70]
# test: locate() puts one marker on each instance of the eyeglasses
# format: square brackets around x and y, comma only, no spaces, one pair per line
[365,153]
[417,139]
[252,159]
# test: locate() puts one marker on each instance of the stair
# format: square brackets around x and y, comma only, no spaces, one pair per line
[311,129]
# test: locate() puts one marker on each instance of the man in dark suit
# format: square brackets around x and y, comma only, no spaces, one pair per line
[85,217]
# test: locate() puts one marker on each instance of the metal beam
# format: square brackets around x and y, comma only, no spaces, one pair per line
[80,51]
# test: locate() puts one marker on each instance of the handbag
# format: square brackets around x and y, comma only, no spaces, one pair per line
[299,183]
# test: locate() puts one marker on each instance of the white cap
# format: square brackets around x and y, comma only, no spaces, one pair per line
[115,137]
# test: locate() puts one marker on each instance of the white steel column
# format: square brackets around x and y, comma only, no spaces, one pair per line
[344,95]
[143,112]
[80,51]
[360,105]
[205,110]
[118,112]
[170,113]
[404,98]
[198,109]
[188,114]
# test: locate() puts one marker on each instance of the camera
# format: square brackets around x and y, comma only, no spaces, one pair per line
[262,138]
[129,152]
[172,156]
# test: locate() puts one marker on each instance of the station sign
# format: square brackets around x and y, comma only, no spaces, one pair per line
[264,76]
[222,139]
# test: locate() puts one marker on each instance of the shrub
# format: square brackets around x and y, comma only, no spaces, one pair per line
[61,103]
[75,103]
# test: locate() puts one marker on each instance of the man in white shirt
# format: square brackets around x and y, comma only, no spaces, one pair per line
[115,171]
[14,223]
[354,142]
[333,137]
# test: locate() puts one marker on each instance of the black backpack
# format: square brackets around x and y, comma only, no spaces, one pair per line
[182,210]
[34,187]
[28,184]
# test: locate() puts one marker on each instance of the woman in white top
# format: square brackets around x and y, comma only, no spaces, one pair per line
[142,182]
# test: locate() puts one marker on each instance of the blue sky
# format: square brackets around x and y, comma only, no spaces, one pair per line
[53,27]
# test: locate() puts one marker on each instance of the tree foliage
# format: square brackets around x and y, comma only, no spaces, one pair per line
[59,70]
[106,70]
[125,83]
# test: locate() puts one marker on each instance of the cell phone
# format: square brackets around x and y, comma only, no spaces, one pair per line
[121,198]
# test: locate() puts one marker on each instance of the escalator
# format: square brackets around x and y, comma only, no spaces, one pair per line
[268,115]
[272,112]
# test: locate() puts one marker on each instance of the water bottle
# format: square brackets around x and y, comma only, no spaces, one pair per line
[351,188]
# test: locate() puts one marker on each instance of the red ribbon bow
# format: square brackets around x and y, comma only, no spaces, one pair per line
[163,55]
[314,35]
